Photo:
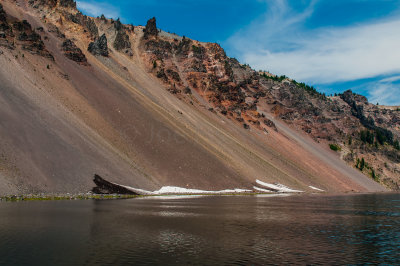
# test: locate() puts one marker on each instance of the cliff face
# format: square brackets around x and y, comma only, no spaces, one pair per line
[141,107]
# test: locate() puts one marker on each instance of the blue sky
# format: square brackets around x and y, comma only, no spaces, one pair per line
[332,44]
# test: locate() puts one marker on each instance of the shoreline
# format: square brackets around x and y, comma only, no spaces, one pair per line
[91,196]
[63,197]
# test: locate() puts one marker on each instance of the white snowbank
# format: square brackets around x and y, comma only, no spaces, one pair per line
[173,197]
[169,190]
[315,188]
[273,195]
[263,190]
[179,190]
[278,187]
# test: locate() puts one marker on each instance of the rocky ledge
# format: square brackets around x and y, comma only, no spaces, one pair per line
[72,52]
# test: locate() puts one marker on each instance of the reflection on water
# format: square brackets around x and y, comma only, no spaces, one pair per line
[203,230]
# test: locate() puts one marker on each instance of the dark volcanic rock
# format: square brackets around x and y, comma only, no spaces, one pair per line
[118,25]
[184,47]
[162,49]
[348,96]
[87,23]
[122,41]
[105,187]
[270,124]
[197,66]
[22,26]
[53,3]
[91,27]
[27,38]
[67,3]
[6,32]
[72,52]
[99,46]
[39,3]
[174,75]
[357,110]
[33,37]
[54,29]
[151,28]
[3,15]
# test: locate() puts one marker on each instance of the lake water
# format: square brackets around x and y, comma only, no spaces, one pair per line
[240,230]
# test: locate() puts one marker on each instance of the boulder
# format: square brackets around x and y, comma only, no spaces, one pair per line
[105,187]
[99,46]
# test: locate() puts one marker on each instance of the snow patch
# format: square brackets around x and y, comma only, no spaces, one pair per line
[315,188]
[278,187]
[178,190]
[263,190]
[170,190]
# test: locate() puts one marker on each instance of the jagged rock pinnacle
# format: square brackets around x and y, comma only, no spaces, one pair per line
[99,46]
[151,28]
[122,41]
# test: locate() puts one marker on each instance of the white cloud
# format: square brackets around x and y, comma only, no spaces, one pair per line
[279,43]
[97,8]
[391,79]
[384,92]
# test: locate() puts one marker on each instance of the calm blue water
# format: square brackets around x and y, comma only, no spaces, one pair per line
[317,230]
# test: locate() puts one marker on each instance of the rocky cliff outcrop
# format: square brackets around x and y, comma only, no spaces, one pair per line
[3,15]
[122,41]
[99,46]
[53,3]
[86,22]
[72,52]
[67,3]
[14,33]
[151,29]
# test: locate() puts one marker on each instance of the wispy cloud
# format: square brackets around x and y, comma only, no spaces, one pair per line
[97,8]
[280,43]
[385,91]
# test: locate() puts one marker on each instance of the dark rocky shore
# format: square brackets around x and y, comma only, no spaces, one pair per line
[53,197]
